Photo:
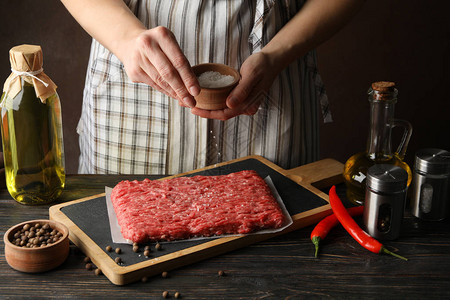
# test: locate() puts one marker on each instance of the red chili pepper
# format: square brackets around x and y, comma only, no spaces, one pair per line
[323,227]
[355,231]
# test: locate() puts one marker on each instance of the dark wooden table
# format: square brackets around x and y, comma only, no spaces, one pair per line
[280,268]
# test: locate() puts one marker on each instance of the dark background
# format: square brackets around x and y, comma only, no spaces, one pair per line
[402,41]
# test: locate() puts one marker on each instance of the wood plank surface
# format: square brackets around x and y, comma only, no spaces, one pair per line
[282,267]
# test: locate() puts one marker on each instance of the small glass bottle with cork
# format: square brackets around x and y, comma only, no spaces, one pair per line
[382,99]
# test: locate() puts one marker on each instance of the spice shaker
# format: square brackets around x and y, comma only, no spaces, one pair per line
[384,202]
[32,133]
[431,184]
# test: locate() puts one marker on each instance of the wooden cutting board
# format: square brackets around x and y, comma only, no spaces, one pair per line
[299,188]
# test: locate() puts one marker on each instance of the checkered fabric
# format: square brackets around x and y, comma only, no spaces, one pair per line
[129,128]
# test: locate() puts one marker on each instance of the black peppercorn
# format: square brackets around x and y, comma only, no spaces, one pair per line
[158,246]
[31,236]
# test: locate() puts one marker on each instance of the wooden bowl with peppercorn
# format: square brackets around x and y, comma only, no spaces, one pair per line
[36,246]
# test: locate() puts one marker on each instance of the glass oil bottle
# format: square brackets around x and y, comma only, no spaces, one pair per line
[382,99]
[32,130]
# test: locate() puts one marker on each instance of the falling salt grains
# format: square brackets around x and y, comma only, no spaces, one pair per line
[212,79]
[214,148]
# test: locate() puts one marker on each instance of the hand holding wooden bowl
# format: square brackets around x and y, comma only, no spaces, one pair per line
[25,251]
[216,82]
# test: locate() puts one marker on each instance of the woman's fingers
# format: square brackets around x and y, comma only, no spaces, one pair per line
[222,114]
[248,94]
[246,97]
[171,65]
[156,59]
[228,113]
[178,60]
[150,75]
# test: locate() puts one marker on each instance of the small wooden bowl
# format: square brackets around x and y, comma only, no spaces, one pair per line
[215,98]
[34,260]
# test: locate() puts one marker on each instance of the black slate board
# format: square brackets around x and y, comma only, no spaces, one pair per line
[92,217]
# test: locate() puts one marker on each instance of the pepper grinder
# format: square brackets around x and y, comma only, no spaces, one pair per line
[384,203]
[431,184]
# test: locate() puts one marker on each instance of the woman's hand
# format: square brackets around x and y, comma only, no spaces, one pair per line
[154,57]
[151,56]
[316,22]
[257,75]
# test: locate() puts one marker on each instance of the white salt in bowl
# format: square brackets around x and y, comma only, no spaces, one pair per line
[216,82]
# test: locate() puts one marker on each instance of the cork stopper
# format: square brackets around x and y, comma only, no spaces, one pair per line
[26,63]
[383,90]
[383,86]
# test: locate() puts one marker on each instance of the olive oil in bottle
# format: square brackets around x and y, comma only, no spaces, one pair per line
[32,130]
[382,98]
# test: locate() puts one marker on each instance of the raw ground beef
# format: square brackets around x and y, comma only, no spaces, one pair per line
[185,207]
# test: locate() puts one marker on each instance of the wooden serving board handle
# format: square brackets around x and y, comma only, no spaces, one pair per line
[317,175]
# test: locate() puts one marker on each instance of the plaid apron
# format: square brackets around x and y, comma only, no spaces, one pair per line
[130,128]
